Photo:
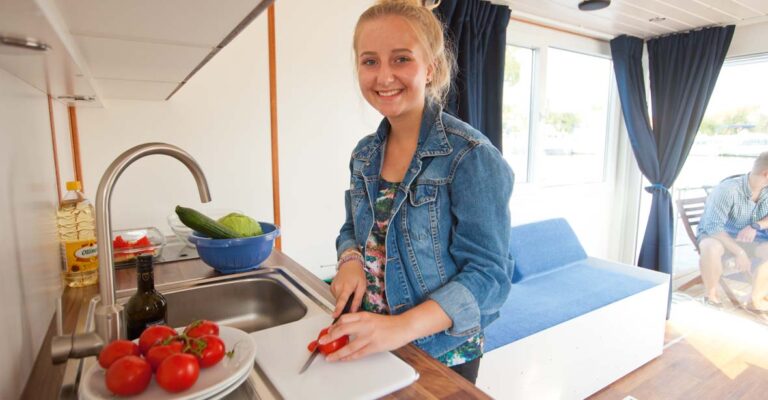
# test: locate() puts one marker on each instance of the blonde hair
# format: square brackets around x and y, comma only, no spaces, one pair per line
[761,163]
[429,32]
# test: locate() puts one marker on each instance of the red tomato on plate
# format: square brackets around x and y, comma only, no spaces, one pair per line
[153,335]
[117,350]
[158,353]
[178,372]
[208,349]
[128,376]
[201,328]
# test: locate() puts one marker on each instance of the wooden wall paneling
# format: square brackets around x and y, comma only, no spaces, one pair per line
[273,120]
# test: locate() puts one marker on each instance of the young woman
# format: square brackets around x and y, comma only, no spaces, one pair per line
[423,250]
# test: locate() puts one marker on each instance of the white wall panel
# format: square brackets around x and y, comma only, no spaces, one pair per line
[322,117]
[221,117]
[28,246]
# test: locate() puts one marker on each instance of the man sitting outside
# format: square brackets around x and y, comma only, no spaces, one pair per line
[735,222]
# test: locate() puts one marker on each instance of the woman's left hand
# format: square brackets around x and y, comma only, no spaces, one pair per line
[370,333]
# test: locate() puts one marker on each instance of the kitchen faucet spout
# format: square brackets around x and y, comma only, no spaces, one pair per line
[108,317]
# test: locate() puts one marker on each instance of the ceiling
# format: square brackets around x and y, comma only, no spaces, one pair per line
[641,18]
[117,49]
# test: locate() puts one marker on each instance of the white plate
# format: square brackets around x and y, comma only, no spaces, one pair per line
[231,388]
[211,381]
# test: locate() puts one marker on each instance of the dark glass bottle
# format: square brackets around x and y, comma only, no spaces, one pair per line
[147,306]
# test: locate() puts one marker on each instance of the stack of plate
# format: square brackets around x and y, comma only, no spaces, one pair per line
[213,383]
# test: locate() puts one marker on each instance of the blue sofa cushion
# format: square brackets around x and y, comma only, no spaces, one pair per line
[545,301]
[541,247]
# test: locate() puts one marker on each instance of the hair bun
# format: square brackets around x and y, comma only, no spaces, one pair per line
[428,4]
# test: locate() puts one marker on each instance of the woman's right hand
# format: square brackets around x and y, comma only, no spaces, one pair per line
[349,281]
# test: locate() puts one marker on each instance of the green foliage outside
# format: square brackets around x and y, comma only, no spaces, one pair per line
[511,68]
[734,121]
[563,122]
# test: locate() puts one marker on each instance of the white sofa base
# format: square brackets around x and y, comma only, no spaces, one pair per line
[577,358]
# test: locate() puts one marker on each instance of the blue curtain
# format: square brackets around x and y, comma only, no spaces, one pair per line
[683,71]
[478,32]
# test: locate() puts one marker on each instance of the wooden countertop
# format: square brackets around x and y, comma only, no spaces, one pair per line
[436,381]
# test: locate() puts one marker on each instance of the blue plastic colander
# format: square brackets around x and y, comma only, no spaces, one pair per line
[229,256]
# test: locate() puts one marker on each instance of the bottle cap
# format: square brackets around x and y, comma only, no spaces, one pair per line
[74,185]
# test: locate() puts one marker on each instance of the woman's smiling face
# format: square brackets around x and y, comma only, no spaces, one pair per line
[393,70]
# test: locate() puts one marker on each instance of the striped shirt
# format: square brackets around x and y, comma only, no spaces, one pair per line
[730,208]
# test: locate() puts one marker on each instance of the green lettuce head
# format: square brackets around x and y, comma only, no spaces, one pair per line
[244,225]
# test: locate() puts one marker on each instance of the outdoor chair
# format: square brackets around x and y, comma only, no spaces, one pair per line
[690,211]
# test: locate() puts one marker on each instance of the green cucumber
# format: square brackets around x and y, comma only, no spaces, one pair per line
[204,224]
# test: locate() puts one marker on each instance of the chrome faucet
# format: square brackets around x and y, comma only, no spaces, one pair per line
[109,316]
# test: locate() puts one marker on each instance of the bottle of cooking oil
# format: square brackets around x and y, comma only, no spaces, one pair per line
[77,234]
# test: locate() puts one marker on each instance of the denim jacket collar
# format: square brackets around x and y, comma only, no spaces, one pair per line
[433,140]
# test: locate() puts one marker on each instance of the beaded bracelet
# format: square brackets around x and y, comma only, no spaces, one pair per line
[349,257]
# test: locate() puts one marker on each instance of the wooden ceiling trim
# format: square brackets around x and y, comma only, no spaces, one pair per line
[670,12]
[759,6]
[733,8]
[617,24]
[554,28]
[578,19]
[655,28]
[700,9]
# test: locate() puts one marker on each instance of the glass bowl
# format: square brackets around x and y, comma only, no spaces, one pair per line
[132,244]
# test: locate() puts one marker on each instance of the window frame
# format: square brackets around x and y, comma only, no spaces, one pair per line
[540,40]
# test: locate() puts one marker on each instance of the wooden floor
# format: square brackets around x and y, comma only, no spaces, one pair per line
[709,354]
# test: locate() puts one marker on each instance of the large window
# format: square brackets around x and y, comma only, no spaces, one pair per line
[574,118]
[735,127]
[733,132]
[567,144]
[518,82]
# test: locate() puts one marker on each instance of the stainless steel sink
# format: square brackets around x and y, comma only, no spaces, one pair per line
[250,304]
[251,301]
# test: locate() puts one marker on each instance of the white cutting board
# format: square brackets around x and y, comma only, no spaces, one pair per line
[282,350]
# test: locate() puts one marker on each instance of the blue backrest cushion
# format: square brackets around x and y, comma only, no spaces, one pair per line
[543,246]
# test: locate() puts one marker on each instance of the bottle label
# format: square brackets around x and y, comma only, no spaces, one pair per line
[80,255]
[146,276]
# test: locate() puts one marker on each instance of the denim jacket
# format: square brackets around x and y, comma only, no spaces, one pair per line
[449,233]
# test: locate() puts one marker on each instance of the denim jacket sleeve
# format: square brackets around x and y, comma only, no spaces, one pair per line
[480,193]
[346,238]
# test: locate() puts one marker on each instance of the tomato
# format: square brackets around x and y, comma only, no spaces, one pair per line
[154,335]
[158,353]
[120,243]
[208,349]
[328,348]
[201,328]
[178,372]
[143,242]
[128,376]
[117,350]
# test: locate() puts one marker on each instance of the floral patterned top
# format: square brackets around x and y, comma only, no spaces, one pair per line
[375,299]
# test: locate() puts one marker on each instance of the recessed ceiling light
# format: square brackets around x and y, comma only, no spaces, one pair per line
[657,19]
[591,5]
